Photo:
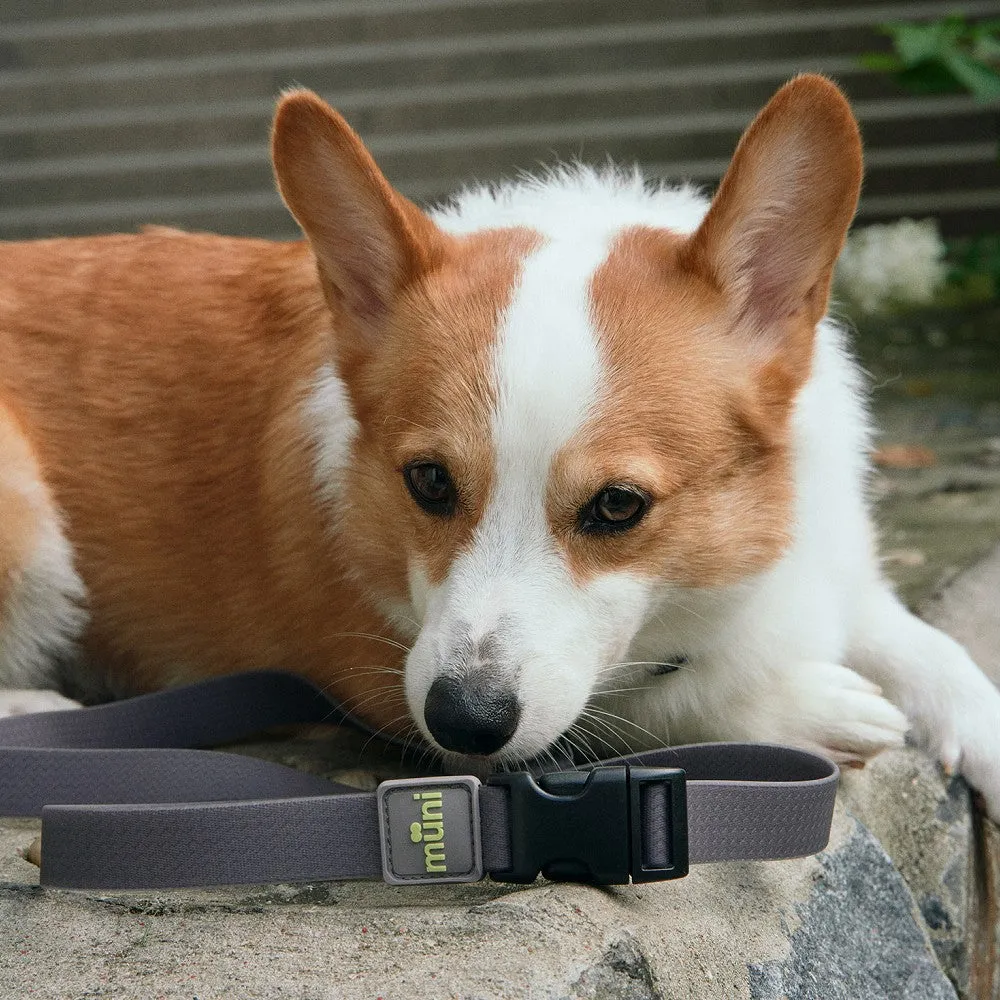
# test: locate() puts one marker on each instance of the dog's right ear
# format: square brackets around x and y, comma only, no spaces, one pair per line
[369,241]
[771,237]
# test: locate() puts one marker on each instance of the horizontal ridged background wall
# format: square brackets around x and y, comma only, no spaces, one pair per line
[113,114]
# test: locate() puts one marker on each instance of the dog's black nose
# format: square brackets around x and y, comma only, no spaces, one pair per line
[474,714]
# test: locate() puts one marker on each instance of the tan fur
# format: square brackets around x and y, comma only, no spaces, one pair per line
[157,388]
[159,380]
[428,394]
[416,313]
[672,423]
[707,340]
[19,516]
[777,224]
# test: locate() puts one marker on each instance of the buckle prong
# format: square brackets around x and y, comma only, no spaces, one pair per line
[587,826]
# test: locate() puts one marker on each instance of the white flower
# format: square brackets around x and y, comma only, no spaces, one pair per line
[898,262]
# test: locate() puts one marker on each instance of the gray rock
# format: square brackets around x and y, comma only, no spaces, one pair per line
[859,939]
[945,849]
[925,823]
[623,973]
[968,609]
[698,937]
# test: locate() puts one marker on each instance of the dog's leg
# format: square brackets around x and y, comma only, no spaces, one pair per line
[954,707]
[40,592]
[814,704]
[824,706]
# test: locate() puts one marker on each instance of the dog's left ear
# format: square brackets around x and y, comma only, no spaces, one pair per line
[370,242]
[772,235]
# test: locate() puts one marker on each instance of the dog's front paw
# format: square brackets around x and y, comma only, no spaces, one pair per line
[27,701]
[829,708]
[970,743]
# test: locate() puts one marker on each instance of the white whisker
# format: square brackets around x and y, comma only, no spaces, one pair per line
[622,719]
[368,635]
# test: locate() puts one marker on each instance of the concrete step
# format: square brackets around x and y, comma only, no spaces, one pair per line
[260,213]
[434,107]
[483,152]
[494,56]
[213,30]
[34,38]
[897,182]
[125,108]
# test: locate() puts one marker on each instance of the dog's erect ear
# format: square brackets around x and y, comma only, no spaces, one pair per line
[369,240]
[778,221]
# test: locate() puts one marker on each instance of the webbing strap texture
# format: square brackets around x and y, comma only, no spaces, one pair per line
[127,804]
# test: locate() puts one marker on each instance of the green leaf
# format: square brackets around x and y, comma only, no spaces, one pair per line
[888,27]
[918,43]
[881,62]
[986,48]
[981,80]
[953,28]
[987,27]
[929,78]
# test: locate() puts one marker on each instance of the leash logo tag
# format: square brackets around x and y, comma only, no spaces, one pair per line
[430,830]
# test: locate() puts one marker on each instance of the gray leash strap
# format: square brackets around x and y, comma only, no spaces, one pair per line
[126,804]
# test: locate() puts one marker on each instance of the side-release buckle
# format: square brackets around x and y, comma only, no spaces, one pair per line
[601,826]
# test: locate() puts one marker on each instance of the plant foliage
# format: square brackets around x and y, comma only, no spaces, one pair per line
[949,55]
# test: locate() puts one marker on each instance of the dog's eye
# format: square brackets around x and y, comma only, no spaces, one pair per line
[615,508]
[431,486]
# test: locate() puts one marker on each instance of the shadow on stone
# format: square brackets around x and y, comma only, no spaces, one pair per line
[623,973]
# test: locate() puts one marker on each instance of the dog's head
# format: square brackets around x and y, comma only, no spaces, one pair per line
[567,405]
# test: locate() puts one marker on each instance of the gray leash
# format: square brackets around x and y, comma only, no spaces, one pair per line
[126,804]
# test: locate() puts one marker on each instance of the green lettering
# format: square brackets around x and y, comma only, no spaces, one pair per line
[434,859]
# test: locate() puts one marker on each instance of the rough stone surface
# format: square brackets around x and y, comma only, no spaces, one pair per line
[860,921]
[963,609]
[984,976]
[623,973]
[925,823]
[694,938]
[969,609]
[937,381]
[948,853]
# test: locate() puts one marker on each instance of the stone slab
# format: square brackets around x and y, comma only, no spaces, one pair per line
[744,930]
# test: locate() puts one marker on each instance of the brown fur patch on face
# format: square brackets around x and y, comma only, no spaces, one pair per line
[428,393]
[685,419]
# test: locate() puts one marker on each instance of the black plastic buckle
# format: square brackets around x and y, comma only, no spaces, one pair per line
[587,826]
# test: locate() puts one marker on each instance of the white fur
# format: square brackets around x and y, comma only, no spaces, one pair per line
[767,654]
[42,617]
[27,701]
[776,657]
[568,203]
[512,582]
[768,658]
[330,423]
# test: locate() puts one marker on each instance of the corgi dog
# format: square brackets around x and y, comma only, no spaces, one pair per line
[485,473]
